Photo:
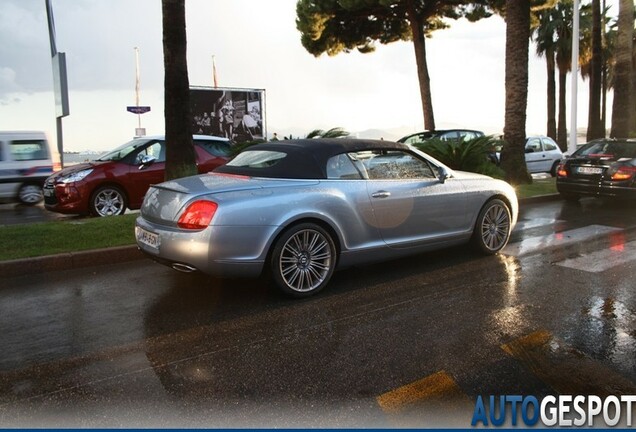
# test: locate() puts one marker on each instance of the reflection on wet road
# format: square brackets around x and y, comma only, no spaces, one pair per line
[406,343]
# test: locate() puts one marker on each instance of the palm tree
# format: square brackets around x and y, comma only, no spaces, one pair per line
[563,19]
[553,35]
[336,132]
[623,106]
[586,57]
[634,76]
[180,159]
[516,76]
[544,36]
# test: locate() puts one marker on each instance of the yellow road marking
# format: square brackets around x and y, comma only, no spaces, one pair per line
[436,387]
[565,369]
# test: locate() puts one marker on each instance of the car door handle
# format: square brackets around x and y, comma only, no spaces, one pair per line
[381,194]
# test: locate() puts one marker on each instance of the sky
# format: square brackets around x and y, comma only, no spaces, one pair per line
[255,44]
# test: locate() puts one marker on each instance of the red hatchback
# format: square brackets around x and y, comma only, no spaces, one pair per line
[119,179]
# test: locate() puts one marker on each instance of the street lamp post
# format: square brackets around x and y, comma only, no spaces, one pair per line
[60,84]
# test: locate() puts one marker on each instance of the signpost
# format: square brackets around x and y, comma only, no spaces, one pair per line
[138,109]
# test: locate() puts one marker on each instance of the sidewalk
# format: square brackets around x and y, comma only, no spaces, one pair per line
[73,260]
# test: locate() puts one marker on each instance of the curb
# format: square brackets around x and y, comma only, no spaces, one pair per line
[120,254]
[539,199]
[69,260]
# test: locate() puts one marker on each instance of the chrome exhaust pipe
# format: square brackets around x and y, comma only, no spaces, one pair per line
[183,268]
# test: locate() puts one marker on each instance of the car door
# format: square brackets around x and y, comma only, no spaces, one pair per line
[142,175]
[412,207]
[552,152]
[535,157]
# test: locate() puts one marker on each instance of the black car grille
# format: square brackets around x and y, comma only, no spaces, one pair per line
[49,193]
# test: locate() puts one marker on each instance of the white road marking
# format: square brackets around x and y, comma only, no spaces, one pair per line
[604,259]
[526,224]
[538,244]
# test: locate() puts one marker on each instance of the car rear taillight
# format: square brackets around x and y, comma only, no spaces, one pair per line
[624,173]
[198,215]
[561,171]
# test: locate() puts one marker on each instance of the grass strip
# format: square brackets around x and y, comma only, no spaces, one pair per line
[537,188]
[49,238]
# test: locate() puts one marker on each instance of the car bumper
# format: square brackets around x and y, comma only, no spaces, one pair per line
[223,251]
[67,199]
[595,189]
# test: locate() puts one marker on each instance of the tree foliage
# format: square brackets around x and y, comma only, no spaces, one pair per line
[335,26]
[336,132]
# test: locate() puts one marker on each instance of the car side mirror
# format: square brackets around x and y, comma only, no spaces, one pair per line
[442,174]
[146,160]
[529,150]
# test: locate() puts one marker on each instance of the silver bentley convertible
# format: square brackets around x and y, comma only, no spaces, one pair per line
[300,209]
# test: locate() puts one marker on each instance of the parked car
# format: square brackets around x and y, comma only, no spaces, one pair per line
[444,135]
[601,168]
[448,135]
[302,208]
[119,179]
[25,162]
[542,155]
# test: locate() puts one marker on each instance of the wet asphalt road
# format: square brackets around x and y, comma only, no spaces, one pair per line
[405,343]
[16,213]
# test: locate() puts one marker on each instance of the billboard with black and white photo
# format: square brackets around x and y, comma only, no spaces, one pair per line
[234,113]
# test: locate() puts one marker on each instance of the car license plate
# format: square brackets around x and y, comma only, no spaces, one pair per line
[146,237]
[589,170]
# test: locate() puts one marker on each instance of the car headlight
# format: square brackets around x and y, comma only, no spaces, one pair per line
[75,177]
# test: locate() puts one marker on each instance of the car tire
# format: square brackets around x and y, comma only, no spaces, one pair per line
[493,227]
[30,194]
[553,170]
[303,260]
[108,201]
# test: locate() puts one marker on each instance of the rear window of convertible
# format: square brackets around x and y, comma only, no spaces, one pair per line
[257,159]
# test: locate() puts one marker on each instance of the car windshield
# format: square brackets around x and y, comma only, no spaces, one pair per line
[122,151]
[607,149]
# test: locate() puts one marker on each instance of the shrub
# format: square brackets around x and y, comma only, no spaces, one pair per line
[472,155]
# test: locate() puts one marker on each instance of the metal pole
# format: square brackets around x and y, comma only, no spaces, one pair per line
[137,85]
[575,77]
[58,123]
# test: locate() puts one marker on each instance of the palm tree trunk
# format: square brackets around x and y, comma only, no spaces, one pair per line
[594,125]
[604,99]
[423,76]
[633,128]
[604,71]
[551,68]
[180,158]
[517,40]
[623,106]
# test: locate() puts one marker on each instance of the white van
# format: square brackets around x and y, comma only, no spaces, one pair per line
[25,162]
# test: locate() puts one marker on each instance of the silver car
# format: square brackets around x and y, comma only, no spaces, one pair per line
[300,209]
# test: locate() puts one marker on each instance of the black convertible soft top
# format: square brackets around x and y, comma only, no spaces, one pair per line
[307,158]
